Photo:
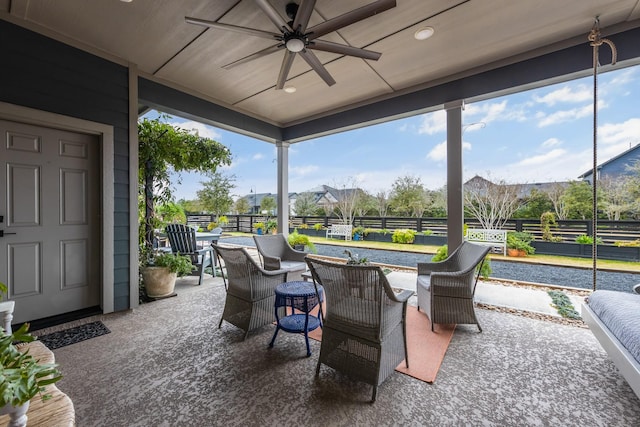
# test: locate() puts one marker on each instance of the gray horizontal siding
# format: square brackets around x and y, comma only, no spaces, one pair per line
[44,74]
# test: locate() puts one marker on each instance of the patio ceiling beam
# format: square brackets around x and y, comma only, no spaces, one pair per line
[173,101]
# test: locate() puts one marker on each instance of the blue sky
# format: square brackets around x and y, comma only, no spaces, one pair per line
[539,135]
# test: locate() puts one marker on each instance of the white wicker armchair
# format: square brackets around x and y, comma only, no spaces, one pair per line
[446,288]
[364,327]
[276,253]
[250,290]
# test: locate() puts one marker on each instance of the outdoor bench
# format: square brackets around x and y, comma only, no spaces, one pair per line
[345,230]
[614,319]
[488,237]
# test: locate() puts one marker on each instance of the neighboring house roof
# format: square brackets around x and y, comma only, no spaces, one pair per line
[616,165]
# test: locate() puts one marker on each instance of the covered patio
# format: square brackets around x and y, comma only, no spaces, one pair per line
[93,67]
[167,364]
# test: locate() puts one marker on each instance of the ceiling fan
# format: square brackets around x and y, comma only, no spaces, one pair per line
[295,37]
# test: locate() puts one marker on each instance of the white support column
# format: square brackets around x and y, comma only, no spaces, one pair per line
[283,187]
[455,199]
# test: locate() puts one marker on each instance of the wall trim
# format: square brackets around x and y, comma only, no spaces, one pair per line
[134,294]
[105,133]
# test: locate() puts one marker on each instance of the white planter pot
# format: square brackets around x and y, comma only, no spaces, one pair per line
[17,414]
[158,281]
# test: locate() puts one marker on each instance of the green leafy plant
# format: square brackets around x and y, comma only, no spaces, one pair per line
[272,224]
[547,219]
[520,240]
[583,239]
[403,236]
[443,252]
[223,220]
[427,232]
[258,226]
[304,226]
[3,290]
[562,303]
[358,230]
[317,227]
[296,238]
[212,225]
[22,376]
[176,263]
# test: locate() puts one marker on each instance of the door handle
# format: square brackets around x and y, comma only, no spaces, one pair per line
[2,233]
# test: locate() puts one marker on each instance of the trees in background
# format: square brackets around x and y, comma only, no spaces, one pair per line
[215,194]
[268,204]
[305,204]
[382,202]
[578,200]
[408,197]
[241,206]
[492,204]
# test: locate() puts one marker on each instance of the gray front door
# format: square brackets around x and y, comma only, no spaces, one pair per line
[49,201]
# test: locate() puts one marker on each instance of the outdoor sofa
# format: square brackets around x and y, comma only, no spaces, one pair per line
[614,319]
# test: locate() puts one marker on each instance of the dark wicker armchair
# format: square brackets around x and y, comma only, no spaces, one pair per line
[364,329]
[446,288]
[277,254]
[250,290]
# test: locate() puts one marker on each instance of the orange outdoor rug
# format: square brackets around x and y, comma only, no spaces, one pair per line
[426,349]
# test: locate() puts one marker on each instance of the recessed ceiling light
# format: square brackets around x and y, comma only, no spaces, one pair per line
[290,89]
[423,33]
[126,1]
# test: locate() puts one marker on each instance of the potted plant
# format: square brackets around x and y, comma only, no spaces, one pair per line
[518,244]
[299,241]
[272,226]
[22,376]
[358,233]
[159,276]
[259,227]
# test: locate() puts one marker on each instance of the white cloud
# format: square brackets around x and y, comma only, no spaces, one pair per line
[542,158]
[627,132]
[564,116]
[551,142]
[258,156]
[439,152]
[487,112]
[201,129]
[579,93]
[622,78]
[433,123]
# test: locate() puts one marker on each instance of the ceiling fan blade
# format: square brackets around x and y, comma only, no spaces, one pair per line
[237,29]
[350,18]
[273,15]
[285,68]
[317,66]
[342,49]
[304,14]
[259,54]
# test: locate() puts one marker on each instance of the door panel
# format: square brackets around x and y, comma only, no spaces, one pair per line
[25,269]
[50,198]
[23,191]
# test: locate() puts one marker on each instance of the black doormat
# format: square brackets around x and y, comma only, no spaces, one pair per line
[74,335]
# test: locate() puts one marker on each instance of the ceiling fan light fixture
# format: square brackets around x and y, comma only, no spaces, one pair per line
[423,33]
[294,45]
[290,89]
